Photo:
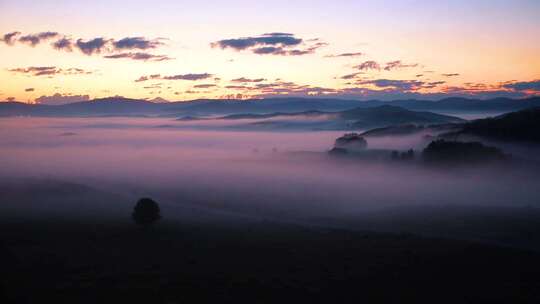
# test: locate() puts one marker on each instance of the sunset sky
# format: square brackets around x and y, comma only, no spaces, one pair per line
[61,51]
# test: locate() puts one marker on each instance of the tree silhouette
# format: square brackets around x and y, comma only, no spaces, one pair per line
[442,151]
[146,212]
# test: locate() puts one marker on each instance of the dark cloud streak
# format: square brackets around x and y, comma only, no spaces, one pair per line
[10,38]
[35,39]
[63,44]
[93,46]
[358,54]
[139,56]
[189,77]
[49,71]
[283,44]
[368,65]
[533,85]
[140,43]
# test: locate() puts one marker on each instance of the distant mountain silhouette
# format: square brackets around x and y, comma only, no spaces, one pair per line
[518,126]
[353,119]
[391,115]
[386,115]
[271,115]
[410,129]
[120,106]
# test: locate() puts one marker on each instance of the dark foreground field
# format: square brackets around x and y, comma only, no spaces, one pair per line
[252,262]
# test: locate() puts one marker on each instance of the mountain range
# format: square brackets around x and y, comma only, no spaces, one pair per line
[353,119]
[119,106]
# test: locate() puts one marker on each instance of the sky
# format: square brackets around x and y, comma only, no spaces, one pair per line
[61,51]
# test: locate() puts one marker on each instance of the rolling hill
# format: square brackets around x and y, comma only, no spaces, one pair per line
[119,106]
[354,119]
[516,126]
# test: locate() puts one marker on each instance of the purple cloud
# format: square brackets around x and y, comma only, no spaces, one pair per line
[393,65]
[140,43]
[404,85]
[246,80]
[63,44]
[48,71]
[357,54]
[205,86]
[10,38]
[270,39]
[94,46]
[59,99]
[150,77]
[271,44]
[191,77]
[139,56]
[368,65]
[35,39]
[36,71]
[351,76]
[524,86]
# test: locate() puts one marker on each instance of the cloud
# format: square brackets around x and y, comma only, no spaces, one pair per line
[35,39]
[36,71]
[75,71]
[191,77]
[153,86]
[246,80]
[480,91]
[351,76]
[90,47]
[63,44]
[268,50]
[204,86]
[49,71]
[59,99]
[271,44]
[394,65]
[368,65]
[29,90]
[450,75]
[10,38]
[270,39]
[434,84]
[279,88]
[139,56]
[533,85]
[114,48]
[357,54]
[145,78]
[237,87]
[384,89]
[140,43]
[404,85]
[389,66]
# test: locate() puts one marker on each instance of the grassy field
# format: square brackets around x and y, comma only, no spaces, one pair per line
[254,262]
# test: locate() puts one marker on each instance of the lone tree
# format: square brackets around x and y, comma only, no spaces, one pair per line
[146,212]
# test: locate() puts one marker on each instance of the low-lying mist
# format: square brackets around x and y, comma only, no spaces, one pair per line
[270,175]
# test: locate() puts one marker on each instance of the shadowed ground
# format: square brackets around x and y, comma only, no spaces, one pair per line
[253,262]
